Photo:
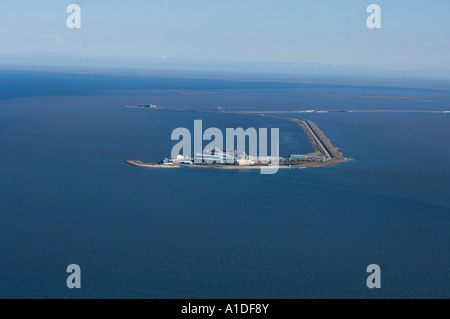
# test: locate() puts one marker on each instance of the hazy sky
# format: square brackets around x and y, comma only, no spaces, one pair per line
[414,34]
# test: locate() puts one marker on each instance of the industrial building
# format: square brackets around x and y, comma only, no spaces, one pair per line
[309,158]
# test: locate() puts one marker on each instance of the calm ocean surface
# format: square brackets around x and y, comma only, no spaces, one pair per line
[67,197]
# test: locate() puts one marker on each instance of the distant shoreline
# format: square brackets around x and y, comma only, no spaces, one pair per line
[261,113]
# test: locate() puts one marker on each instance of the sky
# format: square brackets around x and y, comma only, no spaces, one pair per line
[413,34]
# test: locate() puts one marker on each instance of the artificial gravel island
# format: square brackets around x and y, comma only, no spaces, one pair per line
[325,154]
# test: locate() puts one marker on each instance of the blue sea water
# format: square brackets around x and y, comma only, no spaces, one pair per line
[67,197]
